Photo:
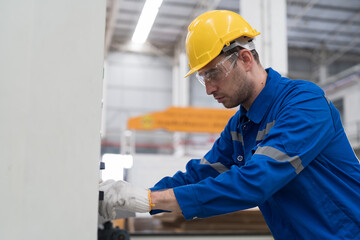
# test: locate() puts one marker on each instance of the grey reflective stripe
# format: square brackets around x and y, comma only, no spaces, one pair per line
[281,157]
[235,136]
[261,134]
[217,166]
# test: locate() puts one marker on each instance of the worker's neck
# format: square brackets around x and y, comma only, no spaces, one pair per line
[258,76]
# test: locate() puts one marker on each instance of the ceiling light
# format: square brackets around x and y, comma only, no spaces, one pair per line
[146,20]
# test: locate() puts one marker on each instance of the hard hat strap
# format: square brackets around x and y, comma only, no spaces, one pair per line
[244,42]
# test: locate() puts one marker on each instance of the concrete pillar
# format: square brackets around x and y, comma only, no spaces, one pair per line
[180,84]
[127,142]
[323,66]
[269,18]
[322,74]
[181,96]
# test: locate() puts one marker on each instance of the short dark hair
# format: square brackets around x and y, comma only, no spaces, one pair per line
[238,48]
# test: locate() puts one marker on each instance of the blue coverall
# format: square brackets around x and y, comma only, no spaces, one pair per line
[289,156]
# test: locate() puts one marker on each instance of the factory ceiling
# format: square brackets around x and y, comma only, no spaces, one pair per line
[313,26]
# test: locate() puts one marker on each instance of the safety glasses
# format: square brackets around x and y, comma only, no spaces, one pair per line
[221,70]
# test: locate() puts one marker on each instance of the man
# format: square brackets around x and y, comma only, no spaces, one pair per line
[284,151]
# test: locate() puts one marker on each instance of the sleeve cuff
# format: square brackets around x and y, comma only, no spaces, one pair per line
[188,201]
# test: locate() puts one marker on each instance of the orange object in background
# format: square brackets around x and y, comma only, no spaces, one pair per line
[179,119]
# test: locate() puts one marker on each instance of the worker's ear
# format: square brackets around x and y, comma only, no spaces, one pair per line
[246,58]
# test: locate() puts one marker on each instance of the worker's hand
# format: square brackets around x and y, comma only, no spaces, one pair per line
[122,195]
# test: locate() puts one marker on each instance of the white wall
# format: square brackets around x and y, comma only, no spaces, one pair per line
[50,86]
[136,85]
[351,116]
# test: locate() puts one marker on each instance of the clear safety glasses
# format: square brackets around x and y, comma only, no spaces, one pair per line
[221,70]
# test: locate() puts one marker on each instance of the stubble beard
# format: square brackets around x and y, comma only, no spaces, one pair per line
[243,89]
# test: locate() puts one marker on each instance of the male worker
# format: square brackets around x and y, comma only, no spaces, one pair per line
[284,151]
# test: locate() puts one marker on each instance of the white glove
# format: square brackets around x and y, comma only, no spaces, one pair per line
[122,195]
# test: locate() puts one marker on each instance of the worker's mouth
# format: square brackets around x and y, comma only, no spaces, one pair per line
[219,99]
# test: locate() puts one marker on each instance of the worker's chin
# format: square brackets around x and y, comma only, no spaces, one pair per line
[229,105]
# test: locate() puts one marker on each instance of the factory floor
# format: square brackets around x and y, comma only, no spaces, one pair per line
[189,237]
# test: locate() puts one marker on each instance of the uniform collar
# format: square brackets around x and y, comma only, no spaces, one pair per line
[265,98]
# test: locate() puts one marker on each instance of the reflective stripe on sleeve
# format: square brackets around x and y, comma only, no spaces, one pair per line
[261,134]
[235,136]
[217,166]
[281,157]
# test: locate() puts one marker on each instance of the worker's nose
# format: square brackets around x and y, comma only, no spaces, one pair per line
[210,88]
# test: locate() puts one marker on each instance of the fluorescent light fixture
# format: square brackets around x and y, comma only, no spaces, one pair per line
[114,166]
[146,20]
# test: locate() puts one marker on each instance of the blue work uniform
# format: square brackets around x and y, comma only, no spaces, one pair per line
[289,156]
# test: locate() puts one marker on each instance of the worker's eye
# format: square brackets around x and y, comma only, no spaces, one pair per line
[213,75]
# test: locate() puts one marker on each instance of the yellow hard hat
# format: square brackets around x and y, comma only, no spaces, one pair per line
[210,32]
